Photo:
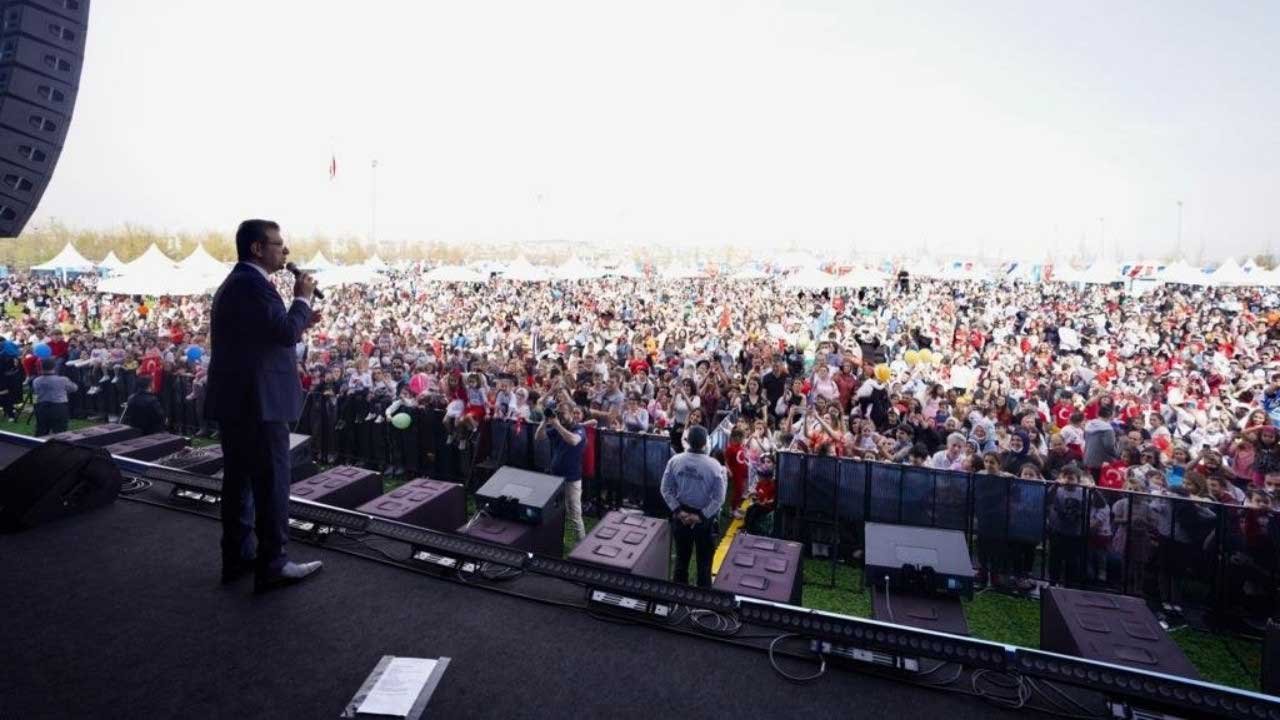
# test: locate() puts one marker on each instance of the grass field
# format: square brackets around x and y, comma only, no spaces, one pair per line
[992,616]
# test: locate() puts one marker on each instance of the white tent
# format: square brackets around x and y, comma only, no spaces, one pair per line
[319,262]
[375,263]
[153,261]
[524,271]
[750,274]
[1250,266]
[200,262]
[575,269]
[1230,273]
[861,277]
[454,274]
[111,263]
[68,260]
[1182,273]
[809,279]
[158,284]
[348,275]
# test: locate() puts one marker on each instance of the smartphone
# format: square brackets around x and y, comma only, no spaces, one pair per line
[1175,477]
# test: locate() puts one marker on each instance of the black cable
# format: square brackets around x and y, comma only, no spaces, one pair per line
[1084,713]
[799,679]
[135,485]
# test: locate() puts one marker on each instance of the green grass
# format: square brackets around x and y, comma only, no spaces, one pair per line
[27,426]
[994,616]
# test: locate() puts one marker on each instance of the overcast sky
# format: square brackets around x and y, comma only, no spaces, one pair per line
[973,127]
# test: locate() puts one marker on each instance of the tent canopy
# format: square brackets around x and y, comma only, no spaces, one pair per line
[375,263]
[861,277]
[200,262]
[67,260]
[150,262]
[454,274]
[111,262]
[348,275]
[319,262]
[524,271]
[158,284]
[810,279]
[575,269]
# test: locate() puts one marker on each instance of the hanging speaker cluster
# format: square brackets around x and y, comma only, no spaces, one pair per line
[41,53]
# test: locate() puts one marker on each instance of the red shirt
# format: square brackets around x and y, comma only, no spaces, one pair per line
[59,348]
[766,491]
[734,462]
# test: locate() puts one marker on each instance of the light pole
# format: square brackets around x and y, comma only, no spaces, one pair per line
[373,208]
[1179,228]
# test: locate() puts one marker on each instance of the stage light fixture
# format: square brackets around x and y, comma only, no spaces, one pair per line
[1148,689]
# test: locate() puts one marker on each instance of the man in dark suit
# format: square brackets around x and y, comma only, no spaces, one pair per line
[254,392]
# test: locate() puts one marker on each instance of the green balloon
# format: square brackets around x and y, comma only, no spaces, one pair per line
[401,420]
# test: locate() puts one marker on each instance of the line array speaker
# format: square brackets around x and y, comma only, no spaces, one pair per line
[41,54]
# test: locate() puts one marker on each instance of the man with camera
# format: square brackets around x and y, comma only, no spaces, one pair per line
[568,440]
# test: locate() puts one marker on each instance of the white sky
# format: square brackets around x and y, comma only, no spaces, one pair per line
[995,127]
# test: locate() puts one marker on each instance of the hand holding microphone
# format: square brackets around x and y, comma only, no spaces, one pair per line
[304,285]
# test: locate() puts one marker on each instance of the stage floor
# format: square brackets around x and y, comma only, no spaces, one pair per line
[119,614]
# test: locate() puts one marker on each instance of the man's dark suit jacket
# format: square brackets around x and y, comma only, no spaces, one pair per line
[253,368]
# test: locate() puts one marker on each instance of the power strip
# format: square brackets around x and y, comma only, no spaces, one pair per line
[629,604]
[872,657]
[426,557]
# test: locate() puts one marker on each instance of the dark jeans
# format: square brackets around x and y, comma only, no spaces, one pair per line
[51,418]
[1066,559]
[255,493]
[688,539]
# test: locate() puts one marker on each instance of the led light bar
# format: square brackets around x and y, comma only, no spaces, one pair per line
[327,515]
[873,635]
[632,585]
[443,544]
[1177,694]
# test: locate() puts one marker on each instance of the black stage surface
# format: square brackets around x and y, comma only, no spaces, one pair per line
[119,614]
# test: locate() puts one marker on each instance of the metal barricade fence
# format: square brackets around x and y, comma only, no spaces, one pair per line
[1171,550]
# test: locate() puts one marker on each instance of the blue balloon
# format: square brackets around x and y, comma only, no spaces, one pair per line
[194,353]
[43,351]
[11,349]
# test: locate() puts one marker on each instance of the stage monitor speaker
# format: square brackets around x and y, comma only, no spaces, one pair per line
[41,54]
[53,481]
[1117,629]
[1271,659]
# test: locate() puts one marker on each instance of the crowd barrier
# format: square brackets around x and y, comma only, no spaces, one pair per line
[1173,550]
[1194,554]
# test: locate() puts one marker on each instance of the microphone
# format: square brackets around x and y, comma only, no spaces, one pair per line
[298,273]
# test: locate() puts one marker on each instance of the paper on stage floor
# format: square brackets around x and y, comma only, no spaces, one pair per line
[399,686]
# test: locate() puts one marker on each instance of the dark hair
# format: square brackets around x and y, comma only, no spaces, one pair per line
[250,232]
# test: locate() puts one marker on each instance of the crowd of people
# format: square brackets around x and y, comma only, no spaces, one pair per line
[1174,391]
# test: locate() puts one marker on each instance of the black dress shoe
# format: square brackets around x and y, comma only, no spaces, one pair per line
[291,574]
[232,572]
